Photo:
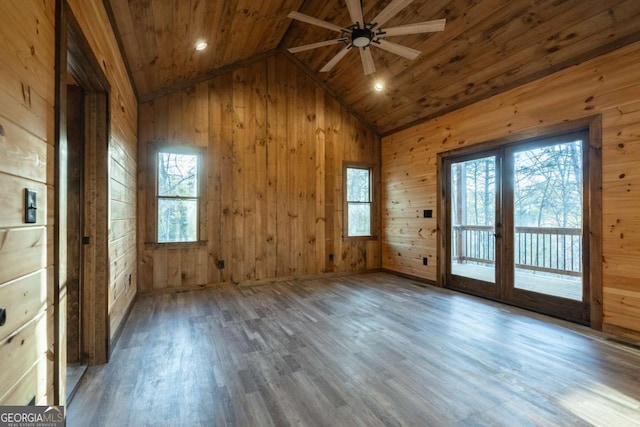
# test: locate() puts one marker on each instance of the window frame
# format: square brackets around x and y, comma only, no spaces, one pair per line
[372,201]
[154,196]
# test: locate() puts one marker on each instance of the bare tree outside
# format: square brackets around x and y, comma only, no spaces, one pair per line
[473,206]
[177,197]
[548,186]
[358,201]
[548,214]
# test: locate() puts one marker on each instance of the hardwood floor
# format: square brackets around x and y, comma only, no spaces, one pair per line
[365,350]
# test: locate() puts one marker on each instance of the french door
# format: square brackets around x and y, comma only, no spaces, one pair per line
[515,224]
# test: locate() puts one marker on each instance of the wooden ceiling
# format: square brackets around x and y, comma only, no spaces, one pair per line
[488,46]
[159,36]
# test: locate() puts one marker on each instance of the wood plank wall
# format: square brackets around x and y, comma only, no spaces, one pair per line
[607,85]
[27,95]
[26,161]
[94,21]
[275,146]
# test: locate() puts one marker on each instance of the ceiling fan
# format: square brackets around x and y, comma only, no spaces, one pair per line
[364,35]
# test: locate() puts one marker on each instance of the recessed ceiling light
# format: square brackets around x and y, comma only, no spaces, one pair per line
[378,86]
[201,45]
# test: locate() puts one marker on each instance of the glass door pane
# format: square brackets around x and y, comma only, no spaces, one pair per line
[547,207]
[473,219]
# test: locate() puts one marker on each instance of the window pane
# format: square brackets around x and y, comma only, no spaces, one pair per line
[177,220]
[358,185]
[547,200]
[359,218]
[473,218]
[177,175]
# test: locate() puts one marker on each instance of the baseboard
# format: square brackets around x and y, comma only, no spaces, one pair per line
[420,280]
[116,336]
[629,335]
[251,283]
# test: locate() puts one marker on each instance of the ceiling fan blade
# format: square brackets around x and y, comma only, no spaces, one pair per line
[389,12]
[315,45]
[355,12]
[419,27]
[332,63]
[367,61]
[405,52]
[315,21]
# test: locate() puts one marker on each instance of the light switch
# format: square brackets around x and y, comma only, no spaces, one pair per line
[30,208]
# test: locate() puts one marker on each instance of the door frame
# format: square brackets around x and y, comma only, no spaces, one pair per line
[74,55]
[472,285]
[592,203]
[578,311]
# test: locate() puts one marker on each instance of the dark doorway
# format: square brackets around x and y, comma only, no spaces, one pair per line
[81,267]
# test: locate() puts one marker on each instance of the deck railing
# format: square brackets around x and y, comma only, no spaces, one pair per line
[553,250]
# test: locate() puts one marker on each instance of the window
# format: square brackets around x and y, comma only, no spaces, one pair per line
[358,200]
[178,172]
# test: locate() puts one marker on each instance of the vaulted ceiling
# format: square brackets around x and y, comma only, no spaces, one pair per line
[488,46]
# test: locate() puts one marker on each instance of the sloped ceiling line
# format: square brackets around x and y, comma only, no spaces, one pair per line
[487,47]
[114,26]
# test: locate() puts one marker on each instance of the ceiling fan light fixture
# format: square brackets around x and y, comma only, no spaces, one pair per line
[361,37]
[201,45]
[378,86]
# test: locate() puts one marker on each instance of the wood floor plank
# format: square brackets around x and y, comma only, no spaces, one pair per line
[361,350]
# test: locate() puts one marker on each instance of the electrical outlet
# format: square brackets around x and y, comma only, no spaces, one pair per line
[427,213]
[331,257]
[425,261]
[221,264]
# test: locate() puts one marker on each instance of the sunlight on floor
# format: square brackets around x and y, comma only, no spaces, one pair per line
[602,405]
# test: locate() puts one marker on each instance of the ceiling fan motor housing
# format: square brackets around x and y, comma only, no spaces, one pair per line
[361,37]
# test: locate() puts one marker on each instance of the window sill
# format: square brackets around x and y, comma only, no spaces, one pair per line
[356,238]
[175,245]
